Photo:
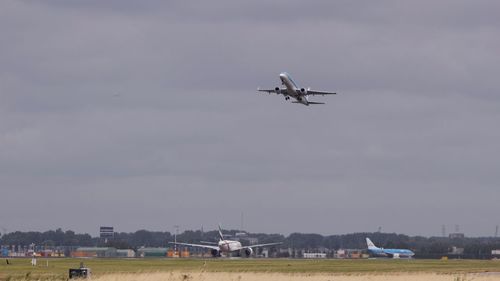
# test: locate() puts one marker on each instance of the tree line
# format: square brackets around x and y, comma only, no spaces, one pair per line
[424,247]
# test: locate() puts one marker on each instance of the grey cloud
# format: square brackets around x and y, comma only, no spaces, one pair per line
[147,116]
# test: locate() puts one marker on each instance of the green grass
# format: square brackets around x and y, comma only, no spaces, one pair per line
[58,268]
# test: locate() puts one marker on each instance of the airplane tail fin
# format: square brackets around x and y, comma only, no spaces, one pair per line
[221,237]
[370,244]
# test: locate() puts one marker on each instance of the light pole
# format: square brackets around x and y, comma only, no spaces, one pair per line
[175,238]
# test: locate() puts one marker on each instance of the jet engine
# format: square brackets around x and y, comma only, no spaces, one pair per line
[247,252]
[277,90]
[215,253]
[303,91]
[395,256]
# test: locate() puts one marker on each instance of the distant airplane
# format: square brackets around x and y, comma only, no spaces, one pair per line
[227,246]
[292,90]
[393,253]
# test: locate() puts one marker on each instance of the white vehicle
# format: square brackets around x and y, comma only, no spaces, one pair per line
[227,246]
[292,90]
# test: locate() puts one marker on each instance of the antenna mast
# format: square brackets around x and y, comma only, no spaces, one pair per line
[241,227]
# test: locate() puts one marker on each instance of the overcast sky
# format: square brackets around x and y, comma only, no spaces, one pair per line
[144,114]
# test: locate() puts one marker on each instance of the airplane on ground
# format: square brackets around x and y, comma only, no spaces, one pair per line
[227,246]
[393,253]
[292,90]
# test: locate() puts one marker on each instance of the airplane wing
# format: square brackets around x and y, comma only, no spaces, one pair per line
[281,91]
[208,242]
[197,245]
[318,93]
[262,245]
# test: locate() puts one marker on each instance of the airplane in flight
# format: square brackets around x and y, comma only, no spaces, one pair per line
[291,90]
[227,246]
[393,253]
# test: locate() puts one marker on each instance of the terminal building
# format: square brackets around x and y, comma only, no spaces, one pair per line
[94,252]
[151,252]
[314,255]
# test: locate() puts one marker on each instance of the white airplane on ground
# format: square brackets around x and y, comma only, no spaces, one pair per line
[292,90]
[227,246]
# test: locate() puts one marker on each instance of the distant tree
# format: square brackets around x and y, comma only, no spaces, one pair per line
[424,247]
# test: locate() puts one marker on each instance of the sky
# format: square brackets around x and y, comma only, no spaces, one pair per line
[145,115]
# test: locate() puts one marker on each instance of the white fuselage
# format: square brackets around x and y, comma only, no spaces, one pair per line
[292,89]
[227,246]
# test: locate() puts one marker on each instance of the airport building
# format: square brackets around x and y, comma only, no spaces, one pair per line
[350,254]
[94,252]
[495,253]
[315,255]
[184,253]
[126,253]
[151,252]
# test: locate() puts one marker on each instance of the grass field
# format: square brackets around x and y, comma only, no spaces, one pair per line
[58,268]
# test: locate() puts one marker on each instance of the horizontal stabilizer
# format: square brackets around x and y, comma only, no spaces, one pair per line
[311,102]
